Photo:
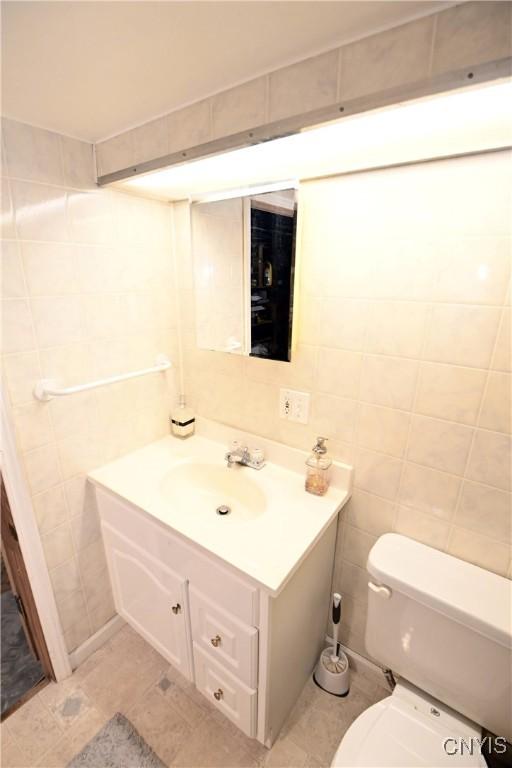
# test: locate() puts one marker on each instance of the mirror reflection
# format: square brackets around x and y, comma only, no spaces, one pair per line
[244,265]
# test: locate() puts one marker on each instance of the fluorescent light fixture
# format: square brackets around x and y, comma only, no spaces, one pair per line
[473,119]
[251,189]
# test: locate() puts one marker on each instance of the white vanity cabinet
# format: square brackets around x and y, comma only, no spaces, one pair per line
[247,650]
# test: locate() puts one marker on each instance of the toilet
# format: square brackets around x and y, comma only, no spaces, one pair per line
[444,627]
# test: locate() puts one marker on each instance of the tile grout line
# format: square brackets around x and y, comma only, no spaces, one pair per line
[477,427]
[405,459]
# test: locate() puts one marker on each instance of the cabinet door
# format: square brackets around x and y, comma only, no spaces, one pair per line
[151,598]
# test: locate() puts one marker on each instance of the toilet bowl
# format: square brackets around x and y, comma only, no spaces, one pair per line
[444,627]
[409,729]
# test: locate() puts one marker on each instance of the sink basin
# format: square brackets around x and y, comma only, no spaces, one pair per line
[202,487]
[273,522]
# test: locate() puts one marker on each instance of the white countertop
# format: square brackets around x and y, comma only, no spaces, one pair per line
[268,545]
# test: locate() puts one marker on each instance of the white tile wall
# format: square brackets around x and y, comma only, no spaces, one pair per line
[239,108]
[302,87]
[189,127]
[404,344]
[88,291]
[391,58]
[478,29]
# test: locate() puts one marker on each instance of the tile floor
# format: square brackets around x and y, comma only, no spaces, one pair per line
[182,727]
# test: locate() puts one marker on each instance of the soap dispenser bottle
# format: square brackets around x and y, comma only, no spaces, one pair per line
[318,469]
[183,421]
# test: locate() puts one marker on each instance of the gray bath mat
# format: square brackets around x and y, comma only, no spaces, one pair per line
[117,745]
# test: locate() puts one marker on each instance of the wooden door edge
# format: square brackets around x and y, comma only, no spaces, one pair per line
[20,583]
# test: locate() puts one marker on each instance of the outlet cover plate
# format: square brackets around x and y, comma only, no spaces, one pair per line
[294,405]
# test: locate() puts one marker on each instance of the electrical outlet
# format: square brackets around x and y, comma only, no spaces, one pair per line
[294,406]
[285,405]
[300,407]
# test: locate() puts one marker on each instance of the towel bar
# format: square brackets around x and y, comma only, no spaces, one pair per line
[46,389]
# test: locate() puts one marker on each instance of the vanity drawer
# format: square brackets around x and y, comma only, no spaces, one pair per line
[234,699]
[224,638]
[224,588]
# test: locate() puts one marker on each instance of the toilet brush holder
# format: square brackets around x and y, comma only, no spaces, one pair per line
[333,677]
[332,672]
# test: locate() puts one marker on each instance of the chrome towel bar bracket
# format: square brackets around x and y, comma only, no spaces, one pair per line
[47,389]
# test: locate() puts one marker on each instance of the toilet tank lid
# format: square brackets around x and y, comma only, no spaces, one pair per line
[464,592]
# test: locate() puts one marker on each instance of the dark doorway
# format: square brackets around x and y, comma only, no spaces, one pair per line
[25,662]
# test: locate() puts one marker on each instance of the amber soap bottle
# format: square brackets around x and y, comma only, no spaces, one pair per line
[318,469]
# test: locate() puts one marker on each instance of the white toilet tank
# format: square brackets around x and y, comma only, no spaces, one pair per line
[445,625]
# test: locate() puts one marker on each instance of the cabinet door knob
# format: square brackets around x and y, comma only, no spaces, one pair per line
[216,641]
[219,694]
[176,608]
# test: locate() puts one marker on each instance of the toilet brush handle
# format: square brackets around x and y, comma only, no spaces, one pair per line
[336,616]
[336,608]
[335,641]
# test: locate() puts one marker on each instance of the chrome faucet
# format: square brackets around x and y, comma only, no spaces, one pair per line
[241,454]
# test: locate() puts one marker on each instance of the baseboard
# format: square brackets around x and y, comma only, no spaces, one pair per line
[80,654]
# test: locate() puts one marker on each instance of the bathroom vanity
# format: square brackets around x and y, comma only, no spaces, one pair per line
[236,602]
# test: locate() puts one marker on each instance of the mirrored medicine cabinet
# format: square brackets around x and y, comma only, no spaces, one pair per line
[244,270]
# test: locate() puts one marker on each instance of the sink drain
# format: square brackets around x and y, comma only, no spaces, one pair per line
[223,510]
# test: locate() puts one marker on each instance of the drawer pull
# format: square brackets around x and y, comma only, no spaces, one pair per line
[218,694]
[216,641]
[176,608]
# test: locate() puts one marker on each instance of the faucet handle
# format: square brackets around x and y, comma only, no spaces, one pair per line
[257,455]
[247,457]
